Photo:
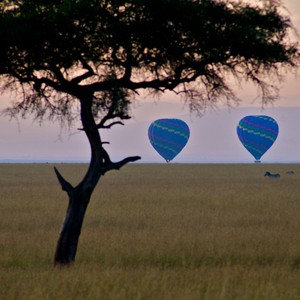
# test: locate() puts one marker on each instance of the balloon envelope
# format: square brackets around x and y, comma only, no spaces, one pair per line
[257,134]
[168,137]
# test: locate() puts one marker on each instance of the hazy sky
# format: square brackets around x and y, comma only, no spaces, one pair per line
[213,136]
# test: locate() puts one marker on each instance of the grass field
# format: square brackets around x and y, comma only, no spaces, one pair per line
[169,231]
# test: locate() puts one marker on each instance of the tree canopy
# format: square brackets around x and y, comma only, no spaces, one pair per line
[60,49]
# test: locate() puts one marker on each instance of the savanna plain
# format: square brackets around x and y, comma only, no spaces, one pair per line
[155,231]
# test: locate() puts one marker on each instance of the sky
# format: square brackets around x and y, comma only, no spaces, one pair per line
[213,136]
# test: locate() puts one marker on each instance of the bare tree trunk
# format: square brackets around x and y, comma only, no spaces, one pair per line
[80,195]
[69,236]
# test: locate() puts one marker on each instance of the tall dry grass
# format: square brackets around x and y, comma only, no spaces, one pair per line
[167,231]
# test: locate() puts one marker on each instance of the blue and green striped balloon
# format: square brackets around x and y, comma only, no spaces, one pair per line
[168,137]
[257,134]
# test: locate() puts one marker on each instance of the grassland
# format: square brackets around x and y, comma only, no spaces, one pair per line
[166,231]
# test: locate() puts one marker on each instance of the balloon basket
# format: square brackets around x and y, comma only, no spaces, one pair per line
[257,161]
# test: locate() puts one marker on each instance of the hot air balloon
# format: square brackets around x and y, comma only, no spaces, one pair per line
[257,134]
[168,137]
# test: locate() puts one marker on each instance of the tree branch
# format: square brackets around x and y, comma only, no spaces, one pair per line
[168,83]
[109,125]
[111,115]
[65,185]
[59,75]
[108,165]
[90,72]
[120,164]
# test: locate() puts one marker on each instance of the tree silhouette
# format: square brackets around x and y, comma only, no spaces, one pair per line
[88,59]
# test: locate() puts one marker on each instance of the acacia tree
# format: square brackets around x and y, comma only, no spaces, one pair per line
[69,57]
